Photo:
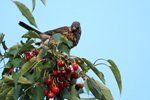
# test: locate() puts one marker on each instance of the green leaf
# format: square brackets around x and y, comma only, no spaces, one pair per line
[26,12]
[37,93]
[42,52]
[73,93]
[64,95]
[17,62]
[44,2]
[37,73]
[26,46]
[15,77]
[1,37]
[13,51]
[64,48]
[7,78]
[84,67]
[116,73]
[86,87]
[95,70]
[17,90]
[99,90]
[97,93]
[4,93]
[105,91]
[82,64]
[24,80]
[26,67]
[57,37]
[70,94]
[66,41]
[33,4]
[10,95]
[60,39]
[31,34]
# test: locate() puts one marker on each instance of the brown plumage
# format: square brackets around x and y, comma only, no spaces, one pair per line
[72,33]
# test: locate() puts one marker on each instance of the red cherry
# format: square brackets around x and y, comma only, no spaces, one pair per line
[80,85]
[48,81]
[27,56]
[74,75]
[27,53]
[60,85]
[45,92]
[63,72]
[35,52]
[75,66]
[60,63]
[66,84]
[61,79]
[50,95]
[68,70]
[55,73]
[55,90]
[10,70]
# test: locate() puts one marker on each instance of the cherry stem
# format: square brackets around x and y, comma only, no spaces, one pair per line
[101,64]
[99,60]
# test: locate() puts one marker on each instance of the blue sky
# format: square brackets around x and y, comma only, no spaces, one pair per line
[111,29]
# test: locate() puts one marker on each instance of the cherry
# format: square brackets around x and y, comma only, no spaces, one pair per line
[27,56]
[55,89]
[35,52]
[75,66]
[63,72]
[48,81]
[68,70]
[79,86]
[10,70]
[50,94]
[55,73]
[74,75]
[60,85]
[60,63]
[61,78]
[66,84]
[45,92]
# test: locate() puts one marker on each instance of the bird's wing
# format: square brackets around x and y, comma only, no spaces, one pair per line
[61,30]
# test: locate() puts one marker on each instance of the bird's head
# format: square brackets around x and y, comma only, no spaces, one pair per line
[75,27]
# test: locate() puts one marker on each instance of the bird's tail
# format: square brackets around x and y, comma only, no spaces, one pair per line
[24,25]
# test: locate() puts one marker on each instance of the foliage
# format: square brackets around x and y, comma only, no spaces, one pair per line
[49,71]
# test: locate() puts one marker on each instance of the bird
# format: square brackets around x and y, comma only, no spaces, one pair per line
[72,33]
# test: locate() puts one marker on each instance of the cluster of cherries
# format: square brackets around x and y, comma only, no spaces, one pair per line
[59,79]
[29,55]
[62,78]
